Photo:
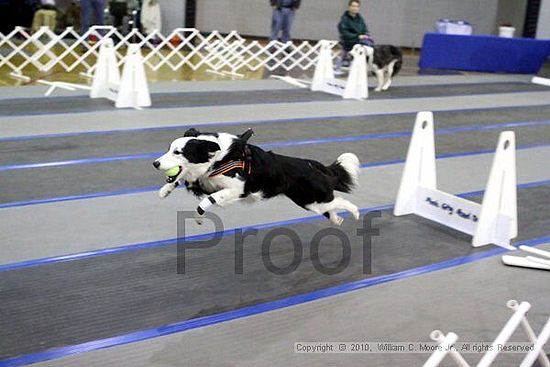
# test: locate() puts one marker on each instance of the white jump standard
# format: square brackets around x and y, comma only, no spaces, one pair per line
[106,77]
[492,222]
[130,91]
[356,87]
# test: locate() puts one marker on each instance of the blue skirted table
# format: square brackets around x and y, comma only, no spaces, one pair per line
[483,53]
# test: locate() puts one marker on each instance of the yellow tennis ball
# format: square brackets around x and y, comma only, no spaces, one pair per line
[174,171]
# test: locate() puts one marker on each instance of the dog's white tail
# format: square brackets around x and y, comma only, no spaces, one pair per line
[350,163]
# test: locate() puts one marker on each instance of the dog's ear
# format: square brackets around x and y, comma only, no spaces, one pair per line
[192,132]
[246,135]
[200,151]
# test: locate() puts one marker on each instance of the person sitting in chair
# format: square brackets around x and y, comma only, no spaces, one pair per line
[353,29]
[45,16]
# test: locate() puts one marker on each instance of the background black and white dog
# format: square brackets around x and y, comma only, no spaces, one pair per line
[385,63]
[228,169]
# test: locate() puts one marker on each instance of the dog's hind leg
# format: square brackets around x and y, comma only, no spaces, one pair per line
[334,217]
[388,75]
[379,78]
[343,204]
[329,209]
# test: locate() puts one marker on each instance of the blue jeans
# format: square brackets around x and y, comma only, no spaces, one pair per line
[366,42]
[86,9]
[281,20]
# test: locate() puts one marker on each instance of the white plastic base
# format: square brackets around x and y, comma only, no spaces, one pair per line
[535,262]
[523,262]
[541,81]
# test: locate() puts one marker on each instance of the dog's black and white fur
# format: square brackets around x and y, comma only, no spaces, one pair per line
[248,172]
[385,63]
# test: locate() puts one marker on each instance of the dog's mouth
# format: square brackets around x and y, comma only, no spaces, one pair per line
[172,174]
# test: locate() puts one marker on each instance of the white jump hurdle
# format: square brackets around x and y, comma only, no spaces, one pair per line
[356,86]
[492,222]
[106,77]
[133,91]
[517,319]
[129,91]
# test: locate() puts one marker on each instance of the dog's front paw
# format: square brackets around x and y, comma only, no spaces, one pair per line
[166,190]
[199,218]
[378,89]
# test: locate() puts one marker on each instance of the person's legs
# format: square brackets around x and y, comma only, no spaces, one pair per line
[85,13]
[288,18]
[367,42]
[342,61]
[276,23]
[99,11]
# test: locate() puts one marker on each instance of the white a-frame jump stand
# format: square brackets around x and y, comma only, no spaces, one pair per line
[129,91]
[492,222]
[356,87]
[106,78]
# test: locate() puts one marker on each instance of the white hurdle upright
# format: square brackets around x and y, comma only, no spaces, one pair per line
[492,222]
[133,91]
[518,318]
[130,90]
[106,77]
[356,87]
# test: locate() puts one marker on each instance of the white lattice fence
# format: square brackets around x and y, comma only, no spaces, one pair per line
[184,47]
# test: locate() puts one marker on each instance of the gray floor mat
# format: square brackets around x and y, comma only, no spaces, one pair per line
[73,302]
[133,174]
[155,140]
[20,107]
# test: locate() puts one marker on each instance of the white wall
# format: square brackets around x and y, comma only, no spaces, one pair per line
[400,22]
[543,26]
[173,14]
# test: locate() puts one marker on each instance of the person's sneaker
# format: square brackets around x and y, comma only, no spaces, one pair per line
[338,72]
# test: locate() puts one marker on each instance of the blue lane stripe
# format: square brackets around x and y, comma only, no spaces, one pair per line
[172,241]
[164,330]
[281,144]
[401,134]
[245,123]
[16,204]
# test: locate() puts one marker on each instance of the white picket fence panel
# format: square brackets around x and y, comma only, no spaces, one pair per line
[184,47]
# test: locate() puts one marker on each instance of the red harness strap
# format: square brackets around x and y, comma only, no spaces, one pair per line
[230,166]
